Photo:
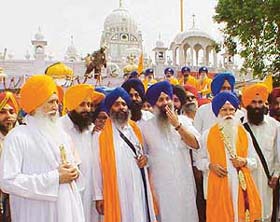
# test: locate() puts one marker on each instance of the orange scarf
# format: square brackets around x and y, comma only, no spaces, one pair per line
[219,202]
[108,163]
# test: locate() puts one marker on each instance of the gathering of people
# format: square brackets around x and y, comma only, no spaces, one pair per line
[187,149]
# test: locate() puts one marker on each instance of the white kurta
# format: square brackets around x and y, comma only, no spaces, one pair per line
[203,165]
[266,135]
[28,172]
[129,180]
[205,118]
[83,142]
[171,171]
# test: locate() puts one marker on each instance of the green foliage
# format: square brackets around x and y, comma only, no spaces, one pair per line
[254,25]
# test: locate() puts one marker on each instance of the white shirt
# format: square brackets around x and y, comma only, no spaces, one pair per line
[29,173]
[129,180]
[266,134]
[83,142]
[171,171]
[203,162]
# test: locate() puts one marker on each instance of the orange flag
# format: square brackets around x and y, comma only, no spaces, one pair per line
[141,64]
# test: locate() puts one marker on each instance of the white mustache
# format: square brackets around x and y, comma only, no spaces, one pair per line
[228,117]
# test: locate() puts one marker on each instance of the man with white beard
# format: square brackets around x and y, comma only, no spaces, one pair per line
[37,167]
[78,125]
[168,140]
[228,156]
[204,117]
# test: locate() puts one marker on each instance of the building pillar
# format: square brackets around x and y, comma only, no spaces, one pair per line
[182,59]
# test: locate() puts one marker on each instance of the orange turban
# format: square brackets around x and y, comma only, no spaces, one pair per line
[250,92]
[60,92]
[8,98]
[36,90]
[75,95]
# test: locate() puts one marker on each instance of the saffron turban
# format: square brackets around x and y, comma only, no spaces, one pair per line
[155,90]
[8,99]
[221,98]
[36,91]
[274,94]
[75,95]
[219,80]
[114,95]
[250,92]
[60,92]
[135,84]
[192,90]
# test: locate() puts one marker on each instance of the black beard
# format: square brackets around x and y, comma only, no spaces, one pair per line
[255,115]
[136,113]
[81,121]
[119,117]
[5,129]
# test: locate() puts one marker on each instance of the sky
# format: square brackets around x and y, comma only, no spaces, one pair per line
[83,19]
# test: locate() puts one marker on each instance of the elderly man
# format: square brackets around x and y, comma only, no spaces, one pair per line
[205,117]
[170,164]
[135,88]
[78,125]
[37,166]
[122,192]
[227,155]
[265,129]
[190,107]
[8,117]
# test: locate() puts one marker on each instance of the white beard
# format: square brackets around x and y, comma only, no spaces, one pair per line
[48,123]
[230,127]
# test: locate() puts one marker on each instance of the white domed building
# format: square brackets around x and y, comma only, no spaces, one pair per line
[194,48]
[121,36]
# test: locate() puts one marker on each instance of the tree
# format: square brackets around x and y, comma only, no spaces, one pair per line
[252,29]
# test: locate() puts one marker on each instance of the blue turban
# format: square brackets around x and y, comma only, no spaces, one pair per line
[203,69]
[133,74]
[100,108]
[135,84]
[221,98]
[114,95]
[149,71]
[156,89]
[168,69]
[219,80]
[185,69]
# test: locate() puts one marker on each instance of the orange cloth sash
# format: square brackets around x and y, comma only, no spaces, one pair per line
[219,207]
[112,210]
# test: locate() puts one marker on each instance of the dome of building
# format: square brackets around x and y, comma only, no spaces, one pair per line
[180,37]
[71,52]
[39,36]
[120,20]
[59,71]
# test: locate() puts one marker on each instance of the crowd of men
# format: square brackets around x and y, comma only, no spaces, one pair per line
[171,150]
